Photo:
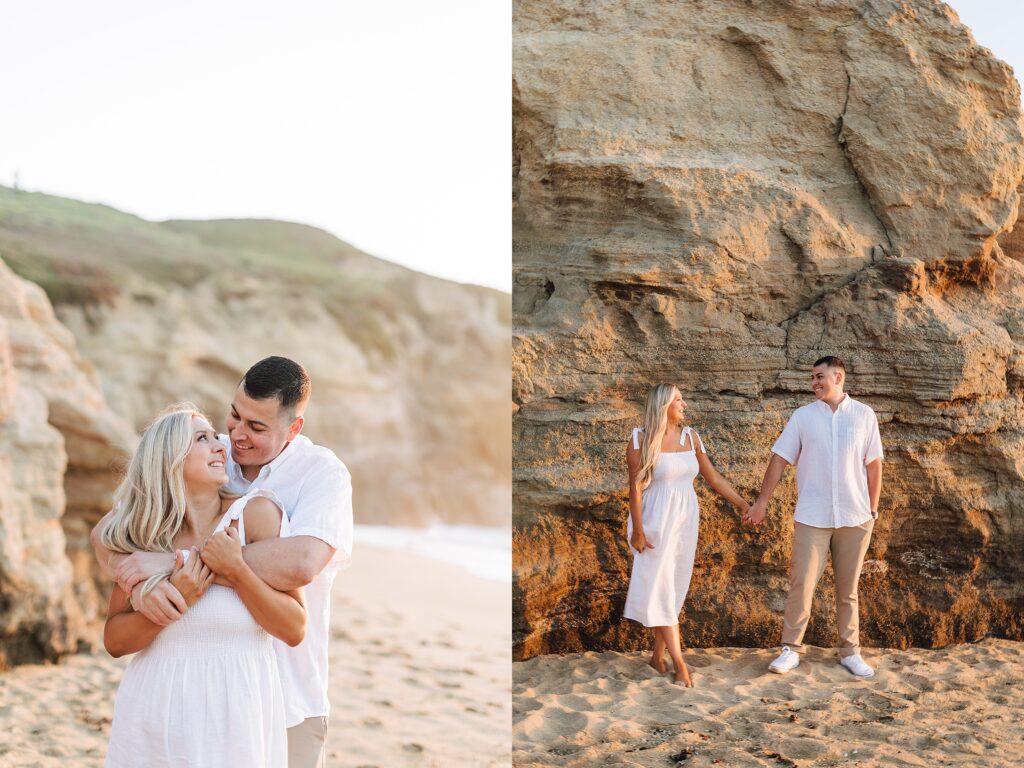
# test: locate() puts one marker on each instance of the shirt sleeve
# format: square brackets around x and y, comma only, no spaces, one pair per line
[874,447]
[788,444]
[324,510]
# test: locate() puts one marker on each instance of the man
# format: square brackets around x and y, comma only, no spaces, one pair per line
[266,450]
[835,445]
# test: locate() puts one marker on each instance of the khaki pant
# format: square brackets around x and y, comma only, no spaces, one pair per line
[306,743]
[810,551]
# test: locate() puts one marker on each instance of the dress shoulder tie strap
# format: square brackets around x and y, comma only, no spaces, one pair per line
[688,431]
[235,512]
[636,437]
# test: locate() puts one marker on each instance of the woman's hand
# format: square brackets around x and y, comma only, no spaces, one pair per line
[222,553]
[191,579]
[639,542]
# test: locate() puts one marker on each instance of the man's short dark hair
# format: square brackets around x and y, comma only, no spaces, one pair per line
[831,361]
[280,378]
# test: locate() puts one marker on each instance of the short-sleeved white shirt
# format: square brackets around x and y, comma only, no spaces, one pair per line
[831,452]
[316,491]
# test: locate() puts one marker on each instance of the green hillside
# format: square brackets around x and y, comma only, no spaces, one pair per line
[83,253]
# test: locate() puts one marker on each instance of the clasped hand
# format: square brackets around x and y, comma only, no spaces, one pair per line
[191,579]
[222,552]
[170,598]
[755,515]
[221,556]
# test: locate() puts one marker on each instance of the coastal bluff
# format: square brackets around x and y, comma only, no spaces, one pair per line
[716,194]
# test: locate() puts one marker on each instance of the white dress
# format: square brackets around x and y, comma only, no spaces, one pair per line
[661,575]
[206,692]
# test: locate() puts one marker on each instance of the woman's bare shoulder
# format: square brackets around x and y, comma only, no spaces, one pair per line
[262,519]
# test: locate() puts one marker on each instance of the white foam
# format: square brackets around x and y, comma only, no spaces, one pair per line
[483,551]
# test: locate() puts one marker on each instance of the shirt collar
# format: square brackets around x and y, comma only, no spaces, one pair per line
[290,449]
[842,406]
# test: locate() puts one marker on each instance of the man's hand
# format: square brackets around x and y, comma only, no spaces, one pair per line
[222,554]
[162,605]
[755,515]
[139,566]
[191,579]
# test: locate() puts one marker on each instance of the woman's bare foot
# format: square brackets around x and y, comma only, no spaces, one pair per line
[658,663]
[682,677]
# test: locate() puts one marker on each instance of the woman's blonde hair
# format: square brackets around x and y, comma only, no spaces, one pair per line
[149,504]
[655,424]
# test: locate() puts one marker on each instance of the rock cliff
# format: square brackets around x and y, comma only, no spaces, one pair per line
[715,194]
[60,448]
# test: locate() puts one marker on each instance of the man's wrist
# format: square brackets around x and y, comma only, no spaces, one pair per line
[236,573]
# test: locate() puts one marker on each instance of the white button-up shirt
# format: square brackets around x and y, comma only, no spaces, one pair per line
[316,491]
[831,452]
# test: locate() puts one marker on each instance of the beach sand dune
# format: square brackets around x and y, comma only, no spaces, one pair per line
[420,676]
[957,706]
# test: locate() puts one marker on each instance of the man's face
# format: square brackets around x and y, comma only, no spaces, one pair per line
[258,429]
[826,382]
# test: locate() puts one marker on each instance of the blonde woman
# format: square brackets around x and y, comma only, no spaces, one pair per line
[663,460]
[205,690]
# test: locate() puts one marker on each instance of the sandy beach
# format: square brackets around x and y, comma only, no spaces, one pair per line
[957,706]
[420,676]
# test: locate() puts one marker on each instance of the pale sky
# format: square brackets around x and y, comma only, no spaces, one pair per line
[387,124]
[998,25]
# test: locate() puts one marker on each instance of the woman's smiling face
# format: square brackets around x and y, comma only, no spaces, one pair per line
[676,408]
[206,458]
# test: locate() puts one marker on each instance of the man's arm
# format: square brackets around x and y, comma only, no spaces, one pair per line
[289,563]
[772,476]
[875,485]
[108,560]
[320,527]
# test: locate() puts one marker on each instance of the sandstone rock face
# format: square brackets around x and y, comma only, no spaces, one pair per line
[60,447]
[716,194]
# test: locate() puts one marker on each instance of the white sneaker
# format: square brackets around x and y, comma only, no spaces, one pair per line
[857,665]
[786,661]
